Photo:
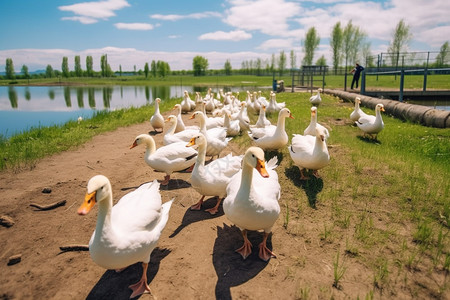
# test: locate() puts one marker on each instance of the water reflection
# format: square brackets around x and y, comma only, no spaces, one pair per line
[24,107]
[12,94]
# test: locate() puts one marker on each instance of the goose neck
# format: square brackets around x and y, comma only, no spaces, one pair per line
[246,179]
[104,216]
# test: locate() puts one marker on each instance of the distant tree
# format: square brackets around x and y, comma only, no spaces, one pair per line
[89,66]
[153,68]
[120,70]
[9,69]
[352,41]
[293,59]
[336,45]
[49,73]
[65,67]
[227,67]
[163,68]
[78,70]
[24,71]
[282,62]
[310,45]
[321,61]
[272,63]
[367,55]
[442,57]
[357,44]
[258,66]
[199,65]
[103,65]
[400,41]
[146,70]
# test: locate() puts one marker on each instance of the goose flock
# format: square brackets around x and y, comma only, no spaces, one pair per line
[247,184]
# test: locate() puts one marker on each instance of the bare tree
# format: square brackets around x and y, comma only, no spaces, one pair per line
[293,59]
[442,57]
[400,41]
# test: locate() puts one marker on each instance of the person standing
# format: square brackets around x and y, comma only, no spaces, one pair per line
[356,73]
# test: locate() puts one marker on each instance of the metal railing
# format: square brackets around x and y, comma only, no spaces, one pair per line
[402,74]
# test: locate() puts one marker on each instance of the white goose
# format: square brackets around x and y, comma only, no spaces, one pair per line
[127,232]
[272,137]
[372,125]
[216,137]
[357,112]
[211,122]
[212,179]
[310,152]
[274,106]
[316,99]
[252,199]
[180,123]
[168,159]
[242,116]
[171,137]
[232,126]
[262,121]
[187,104]
[311,129]
[157,120]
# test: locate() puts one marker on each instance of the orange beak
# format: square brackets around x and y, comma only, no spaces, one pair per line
[192,117]
[133,145]
[290,116]
[382,109]
[261,168]
[191,143]
[88,204]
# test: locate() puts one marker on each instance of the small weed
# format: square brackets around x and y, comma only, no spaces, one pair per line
[338,271]
[303,293]
[350,249]
[381,275]
[326,234]
[286,219]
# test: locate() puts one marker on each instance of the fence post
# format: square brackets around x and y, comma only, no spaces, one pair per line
[402,80]
[292,89]
[363,83]
[425,74]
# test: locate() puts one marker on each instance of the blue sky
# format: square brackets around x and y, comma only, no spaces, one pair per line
[132,32]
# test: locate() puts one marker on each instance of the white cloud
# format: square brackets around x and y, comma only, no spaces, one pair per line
[134,26]
[237,35]
[95,10]
[173,36]
[82,20]
[267,16]
[202,15]
[277,44]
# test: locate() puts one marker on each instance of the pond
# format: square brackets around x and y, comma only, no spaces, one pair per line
[26,107]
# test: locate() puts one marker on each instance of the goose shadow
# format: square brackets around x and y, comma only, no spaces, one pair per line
[114,285]
[174,184]
[231,269]
[312,186]
[271,153]
[192,216]
[369,140]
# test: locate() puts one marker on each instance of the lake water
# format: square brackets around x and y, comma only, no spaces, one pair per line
[23,108]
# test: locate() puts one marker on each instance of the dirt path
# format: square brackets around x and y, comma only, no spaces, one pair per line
[195,258]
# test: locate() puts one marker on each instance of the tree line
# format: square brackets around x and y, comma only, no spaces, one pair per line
[348,45]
